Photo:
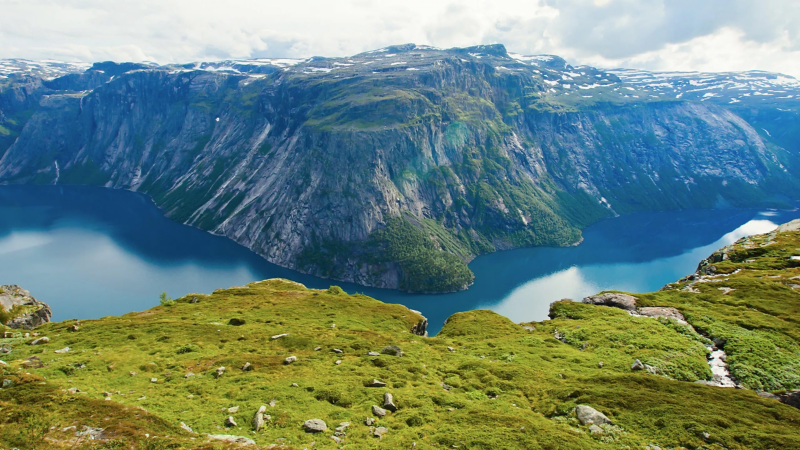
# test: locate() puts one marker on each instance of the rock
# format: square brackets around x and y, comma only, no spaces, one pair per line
[218,373]
[186,428]
[587,414]
[392,350]
[338,361]
[337,350]
[791,398]
[40,341]
[373,354]
[342,426]
[388,402]
[315,426]
[278,336]
[229,422]
[12,295]
[74,328]
[132,373]
[316,349]
[369,421]
[637,365]
[5,349]
[188,375]
[594,429]
[63,350]
[600,364]
[272,403]
[295,385]
[259,420]
[110,367]
[658,311]
[529,328]
[336,439]
[380,431]
[421,328]
[376,383]
[623,301]
[290,360]
[726,290]
[154,380]
[233,410]
[247,367]
[8,383]
[194,300]
[232,439]
[378,411]
[3,363]
[451,349]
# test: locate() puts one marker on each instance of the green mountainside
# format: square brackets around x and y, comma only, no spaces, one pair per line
[594,376]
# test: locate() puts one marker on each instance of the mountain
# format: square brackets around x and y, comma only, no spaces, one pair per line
[276,365]
[395,167]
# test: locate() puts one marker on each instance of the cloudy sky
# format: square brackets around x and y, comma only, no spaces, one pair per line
[708,35]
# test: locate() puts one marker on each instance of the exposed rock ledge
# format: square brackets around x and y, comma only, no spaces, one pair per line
[32,312]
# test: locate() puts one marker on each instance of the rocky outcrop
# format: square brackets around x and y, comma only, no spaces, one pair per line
[27,312]
[622,301]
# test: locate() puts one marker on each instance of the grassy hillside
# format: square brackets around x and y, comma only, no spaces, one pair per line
[482,383]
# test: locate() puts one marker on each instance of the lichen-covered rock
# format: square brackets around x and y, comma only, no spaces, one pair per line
[315,426]
[32,312]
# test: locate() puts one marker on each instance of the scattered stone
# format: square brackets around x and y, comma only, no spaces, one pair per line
[337,350]
[379,432]
[92,434]
[600,364]
[451,349]
[154,380]
[186,428]
[376,383]
[63,350]
[336,439]
[5,349]
[373,354]
[637,365]
[315,426]
[232,439]
[388,402]
[40,341]
[529,328]
[295,385]
[369,421]
[316,349]
[233,410]
[333,325]
[726,290]
[392,350]
[665,312]
[259,419]
[188,375]
[446,387]
[278,336]
[8,383]
[110,367]
[342,426]
[229,422]
[338,361]
[247,367]
[421,328]
[594,429]
[587,414]
[132,373]
[218,373]
[290,360]
[378,411]
[624,301]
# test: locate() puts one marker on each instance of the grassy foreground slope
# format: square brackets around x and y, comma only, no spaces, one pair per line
[482,383]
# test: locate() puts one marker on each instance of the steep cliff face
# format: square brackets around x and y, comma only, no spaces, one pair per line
[393,168]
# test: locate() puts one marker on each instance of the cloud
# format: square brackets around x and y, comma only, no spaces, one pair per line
[656,34]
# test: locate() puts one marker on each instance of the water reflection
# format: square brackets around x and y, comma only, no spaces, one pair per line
[92,252]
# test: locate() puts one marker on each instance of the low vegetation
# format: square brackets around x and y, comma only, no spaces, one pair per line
[482,383]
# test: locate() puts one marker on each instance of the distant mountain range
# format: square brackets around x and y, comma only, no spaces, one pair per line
[395,167]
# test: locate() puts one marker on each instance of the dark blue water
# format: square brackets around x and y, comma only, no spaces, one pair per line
[92,252]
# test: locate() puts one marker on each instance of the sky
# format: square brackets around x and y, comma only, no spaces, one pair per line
[702,35]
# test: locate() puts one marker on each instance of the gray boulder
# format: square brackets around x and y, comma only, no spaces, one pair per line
[315,426]
[290,360]
[376,383]
[623,301]
[40,341]
[258,419]
[388,402]
[229,422]
[379,432]
[378,411]
[637,365]
[587,414]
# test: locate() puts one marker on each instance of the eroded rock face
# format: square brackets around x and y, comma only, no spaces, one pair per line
[623,301]
[34,312]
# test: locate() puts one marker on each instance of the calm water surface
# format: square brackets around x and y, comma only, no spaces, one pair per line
[92,252]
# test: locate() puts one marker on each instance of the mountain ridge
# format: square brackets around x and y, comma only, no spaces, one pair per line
[455,152]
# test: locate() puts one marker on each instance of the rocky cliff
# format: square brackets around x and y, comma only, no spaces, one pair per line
[392,168]
[21,310]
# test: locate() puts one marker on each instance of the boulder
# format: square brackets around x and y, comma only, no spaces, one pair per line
[378,411]
[594,429]
[388,402]
[278,336]
[290,360]
[247,367]
[373,354]
[186,428]
[369,421]
[259,420]
[587,414]
[233,410]
[337,350]
[623,301]
[376,383]
[667,313]
[421,328]
[63,350]
[12,295]
[379,432]
[229,422]
[315,426]
[637,365]
[218,373]
[40,341]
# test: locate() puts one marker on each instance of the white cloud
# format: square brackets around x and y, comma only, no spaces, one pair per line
[657,34]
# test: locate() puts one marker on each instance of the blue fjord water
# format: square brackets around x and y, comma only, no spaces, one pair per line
[91,252]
